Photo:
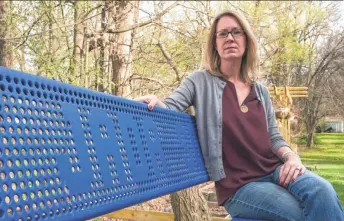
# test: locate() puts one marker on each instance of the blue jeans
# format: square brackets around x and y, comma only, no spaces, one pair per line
[310,198]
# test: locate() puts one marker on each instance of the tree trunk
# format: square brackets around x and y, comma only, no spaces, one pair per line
[78,41]
[124,15]
[310,139]
[5,50]
[85,73]
[189,205]
[104,50]
[21,59]
[310,125]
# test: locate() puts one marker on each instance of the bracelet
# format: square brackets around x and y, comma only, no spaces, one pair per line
[285,154]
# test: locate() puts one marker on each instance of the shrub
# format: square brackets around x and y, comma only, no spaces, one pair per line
[303,140]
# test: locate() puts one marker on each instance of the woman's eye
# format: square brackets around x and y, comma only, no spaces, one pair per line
[223,33]
[237,32]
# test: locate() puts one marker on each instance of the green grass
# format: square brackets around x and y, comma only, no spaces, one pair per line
[327,160]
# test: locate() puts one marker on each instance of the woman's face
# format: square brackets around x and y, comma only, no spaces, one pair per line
[230,45]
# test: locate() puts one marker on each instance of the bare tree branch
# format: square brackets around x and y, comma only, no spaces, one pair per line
[138,25]
[147,79]
[43,32]
[170,61]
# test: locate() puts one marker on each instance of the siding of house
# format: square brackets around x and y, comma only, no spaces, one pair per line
[336,124]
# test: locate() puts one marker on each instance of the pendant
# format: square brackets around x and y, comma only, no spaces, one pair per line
[244,108]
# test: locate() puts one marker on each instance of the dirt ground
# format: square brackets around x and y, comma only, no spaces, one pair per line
[163,204]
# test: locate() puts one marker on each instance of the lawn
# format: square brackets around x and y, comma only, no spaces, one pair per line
[327,160]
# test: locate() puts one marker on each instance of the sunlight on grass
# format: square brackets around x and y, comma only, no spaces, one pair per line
[327,160]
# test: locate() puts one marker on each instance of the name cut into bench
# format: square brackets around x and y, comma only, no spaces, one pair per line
[69,153]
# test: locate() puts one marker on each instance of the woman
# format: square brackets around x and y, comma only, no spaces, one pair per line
[256,174]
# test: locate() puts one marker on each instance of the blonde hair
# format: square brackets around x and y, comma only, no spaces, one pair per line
[250,59]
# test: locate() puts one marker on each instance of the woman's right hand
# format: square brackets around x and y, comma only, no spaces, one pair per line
[151,100]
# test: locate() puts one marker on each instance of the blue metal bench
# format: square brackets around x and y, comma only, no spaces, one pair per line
[68,153]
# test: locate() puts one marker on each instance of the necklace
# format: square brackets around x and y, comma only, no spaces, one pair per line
[244,108]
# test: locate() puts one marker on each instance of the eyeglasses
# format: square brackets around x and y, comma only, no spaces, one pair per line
[225,33]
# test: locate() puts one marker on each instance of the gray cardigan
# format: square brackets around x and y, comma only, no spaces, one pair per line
[204,91]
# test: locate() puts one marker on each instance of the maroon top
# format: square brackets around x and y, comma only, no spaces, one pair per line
[245,144]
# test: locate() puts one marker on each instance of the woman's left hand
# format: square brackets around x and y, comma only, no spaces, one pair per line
[292,168]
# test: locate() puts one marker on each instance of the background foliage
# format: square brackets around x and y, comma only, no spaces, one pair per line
[131,48]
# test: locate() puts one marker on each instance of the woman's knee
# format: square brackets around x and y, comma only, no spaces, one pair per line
[326,189]
[321,187]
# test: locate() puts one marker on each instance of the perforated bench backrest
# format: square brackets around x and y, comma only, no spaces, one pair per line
[68,153]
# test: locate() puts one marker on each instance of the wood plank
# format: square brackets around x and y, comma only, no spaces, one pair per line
[290,88]
[290,92]
[298,96]
[144,215]
[297,88]
[291,95]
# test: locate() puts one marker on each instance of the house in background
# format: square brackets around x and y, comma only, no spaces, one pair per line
[334,124]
